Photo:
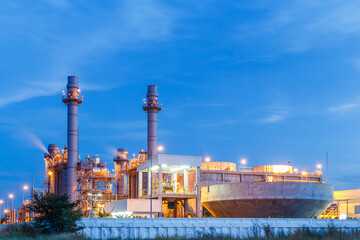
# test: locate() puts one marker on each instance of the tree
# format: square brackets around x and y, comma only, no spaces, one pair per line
[55,213]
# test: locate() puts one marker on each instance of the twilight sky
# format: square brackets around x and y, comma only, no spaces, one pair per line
[237,79]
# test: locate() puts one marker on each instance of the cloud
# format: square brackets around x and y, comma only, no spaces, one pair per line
[343,108]
[303,24]
[274,117]
[117,125]
[66,44]
[217,124]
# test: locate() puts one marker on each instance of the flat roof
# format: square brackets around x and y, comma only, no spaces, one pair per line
[176,160]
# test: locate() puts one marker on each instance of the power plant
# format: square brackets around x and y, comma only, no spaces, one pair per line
[152,184]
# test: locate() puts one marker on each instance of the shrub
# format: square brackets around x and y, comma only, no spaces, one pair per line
[55,213]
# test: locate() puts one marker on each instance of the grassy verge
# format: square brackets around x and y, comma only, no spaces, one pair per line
[26,231]
[24,236]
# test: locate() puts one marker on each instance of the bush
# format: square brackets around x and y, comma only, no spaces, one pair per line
[55,213]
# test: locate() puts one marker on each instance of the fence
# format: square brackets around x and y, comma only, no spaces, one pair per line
[134,228]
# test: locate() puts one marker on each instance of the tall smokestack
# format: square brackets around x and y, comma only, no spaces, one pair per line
[72,99]
[151,106]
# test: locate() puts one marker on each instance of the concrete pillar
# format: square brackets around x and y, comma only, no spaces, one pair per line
[160,188]
[160,181]
[149,182]
[198,196]
[175,182]
[186,181]
[140,183]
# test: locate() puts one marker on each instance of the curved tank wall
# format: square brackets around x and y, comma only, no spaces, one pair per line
[262,200]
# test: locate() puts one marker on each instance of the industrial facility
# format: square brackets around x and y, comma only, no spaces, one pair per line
[152,184]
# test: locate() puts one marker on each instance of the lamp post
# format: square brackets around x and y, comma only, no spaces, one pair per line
[25,188]
[150,172]
[160,148]
[304,173]
[243,162]
[319,166]
[11,196]
[5,212]
[1,202]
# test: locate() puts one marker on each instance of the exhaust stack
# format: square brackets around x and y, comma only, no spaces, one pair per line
[151,106]
[72,99]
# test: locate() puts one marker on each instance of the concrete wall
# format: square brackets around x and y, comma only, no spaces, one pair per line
[132,228]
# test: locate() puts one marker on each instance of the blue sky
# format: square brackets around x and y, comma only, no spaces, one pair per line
[236,79]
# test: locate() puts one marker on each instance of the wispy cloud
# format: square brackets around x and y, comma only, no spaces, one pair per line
[120,125]
[69,43]
[275,117]
[343,108]
[277,109]
[305,24]
[227,122]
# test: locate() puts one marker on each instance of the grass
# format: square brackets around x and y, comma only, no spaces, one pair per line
[24,236]
[26,231]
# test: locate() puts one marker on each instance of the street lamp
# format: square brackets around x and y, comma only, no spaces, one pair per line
[207,159]
[243,162]
[11,196]
[25,188]
[12,200]
[319,166]
[1,202]
[304,173]
[159,148]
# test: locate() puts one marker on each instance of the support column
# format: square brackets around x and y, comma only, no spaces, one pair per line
[175,182]
[186,181]
[198,192]
[140,183]
[160,188]
[149,182]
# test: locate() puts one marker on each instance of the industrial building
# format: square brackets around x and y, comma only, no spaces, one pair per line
[346,205]
[163,185]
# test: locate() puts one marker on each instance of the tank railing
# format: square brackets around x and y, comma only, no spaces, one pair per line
[283,180]
[248,169]
[243,169]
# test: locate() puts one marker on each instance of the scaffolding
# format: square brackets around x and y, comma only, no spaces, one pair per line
[95,184]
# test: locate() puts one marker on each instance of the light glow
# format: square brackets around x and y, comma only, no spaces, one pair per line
[207,159]
[160,148]
[243,161]
[26,187]
[342,216]
[11,195]
[281,168]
